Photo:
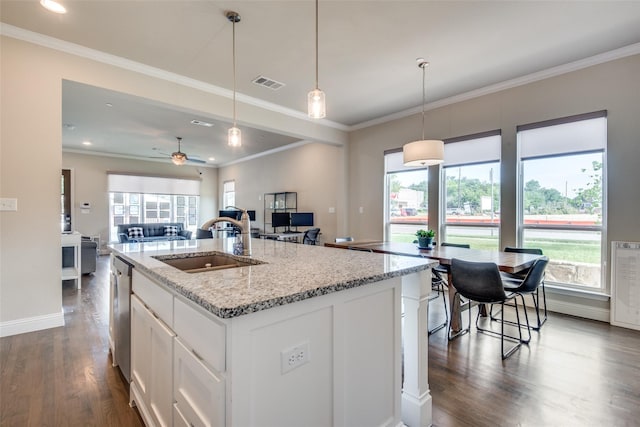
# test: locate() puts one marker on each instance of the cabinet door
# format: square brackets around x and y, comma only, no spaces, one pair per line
[140,345]
[152,362]
[198,392]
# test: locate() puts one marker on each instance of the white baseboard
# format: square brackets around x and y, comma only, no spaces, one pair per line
[579,310]
[31,324]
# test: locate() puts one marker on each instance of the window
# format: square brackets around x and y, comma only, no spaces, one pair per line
[562,200]
[228,194]
[406,198]
[140,199]
[471,190]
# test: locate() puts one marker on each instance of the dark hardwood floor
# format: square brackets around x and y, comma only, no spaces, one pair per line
[575,372]
[63,376]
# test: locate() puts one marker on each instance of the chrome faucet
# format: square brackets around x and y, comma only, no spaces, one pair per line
[244,225]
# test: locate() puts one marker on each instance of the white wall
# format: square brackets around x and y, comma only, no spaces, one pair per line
[315,171]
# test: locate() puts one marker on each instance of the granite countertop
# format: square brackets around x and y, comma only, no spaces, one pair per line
[289,272]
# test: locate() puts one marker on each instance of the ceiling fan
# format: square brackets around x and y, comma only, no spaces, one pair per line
[179,158]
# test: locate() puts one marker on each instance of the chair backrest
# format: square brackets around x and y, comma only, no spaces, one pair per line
[477,281]
[533,251]
[534,277]
[456,245]
[311,236]
[344,239]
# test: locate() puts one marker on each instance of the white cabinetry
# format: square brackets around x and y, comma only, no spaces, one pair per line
[190,368]
[151,363]
[72,272]
[198,392]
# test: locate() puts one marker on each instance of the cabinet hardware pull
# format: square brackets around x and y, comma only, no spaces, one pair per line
[196,355]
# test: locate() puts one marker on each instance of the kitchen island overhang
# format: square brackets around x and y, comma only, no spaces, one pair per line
[348,301]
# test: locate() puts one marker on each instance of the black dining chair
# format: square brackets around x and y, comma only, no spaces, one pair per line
[519,276]
[529,285]
[439,284]
[481,282]
[311,236]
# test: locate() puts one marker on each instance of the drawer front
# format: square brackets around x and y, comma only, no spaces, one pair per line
[200,333]
[158,299]
[199,394]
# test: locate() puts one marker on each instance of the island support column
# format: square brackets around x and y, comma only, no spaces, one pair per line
[416,398]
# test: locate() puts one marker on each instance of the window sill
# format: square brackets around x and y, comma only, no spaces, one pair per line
[559,288]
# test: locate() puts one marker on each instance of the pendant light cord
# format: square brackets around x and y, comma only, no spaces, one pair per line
[423,97]
[316,44]
[234,71]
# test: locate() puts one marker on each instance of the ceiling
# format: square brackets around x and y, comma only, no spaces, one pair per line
[367,52]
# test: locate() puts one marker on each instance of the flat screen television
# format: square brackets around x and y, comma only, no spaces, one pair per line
[280,219]
[229,213]
[302,219]
[237,214]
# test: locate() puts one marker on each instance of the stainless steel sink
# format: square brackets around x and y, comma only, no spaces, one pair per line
[203,263]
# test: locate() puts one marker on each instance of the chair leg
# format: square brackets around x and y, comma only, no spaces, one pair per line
[502,335]
[536,301]
[440,290]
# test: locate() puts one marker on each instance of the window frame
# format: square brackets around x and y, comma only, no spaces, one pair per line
[442,206]
[520,223]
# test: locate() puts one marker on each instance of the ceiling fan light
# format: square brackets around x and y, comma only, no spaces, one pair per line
[423,153]
[234,137]
[316,104]
[178,158]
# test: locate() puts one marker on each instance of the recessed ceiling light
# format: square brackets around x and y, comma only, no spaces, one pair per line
[53,6]
[201,123]
[211,159]
[108,104]
[86,142]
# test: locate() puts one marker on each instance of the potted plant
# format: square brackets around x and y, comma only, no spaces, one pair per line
[425,238]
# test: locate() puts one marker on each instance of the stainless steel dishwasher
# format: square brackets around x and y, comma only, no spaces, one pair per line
[122,315]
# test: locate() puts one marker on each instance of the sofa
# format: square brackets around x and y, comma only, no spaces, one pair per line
[135,233]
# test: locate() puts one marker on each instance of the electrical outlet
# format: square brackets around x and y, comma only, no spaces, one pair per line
[295,357]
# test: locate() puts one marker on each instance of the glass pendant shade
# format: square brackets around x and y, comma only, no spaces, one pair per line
[316,104]
[178,158]
[423,153]
[235,137]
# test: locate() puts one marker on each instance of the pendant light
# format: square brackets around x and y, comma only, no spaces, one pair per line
[315,99]
[423,152]
[234,135]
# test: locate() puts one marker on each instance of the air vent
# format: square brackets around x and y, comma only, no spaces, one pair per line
[267,82]
[201,123]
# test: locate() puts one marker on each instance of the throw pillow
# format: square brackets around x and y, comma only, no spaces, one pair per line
[135,232]
[170,230]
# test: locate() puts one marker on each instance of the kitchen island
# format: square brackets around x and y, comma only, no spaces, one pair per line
[297,335]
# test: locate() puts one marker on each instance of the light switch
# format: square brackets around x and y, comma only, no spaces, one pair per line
[8,204]
[361,209]
[332,210]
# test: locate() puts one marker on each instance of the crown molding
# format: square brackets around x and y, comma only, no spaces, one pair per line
[126,64]
[612,55]
[268,152]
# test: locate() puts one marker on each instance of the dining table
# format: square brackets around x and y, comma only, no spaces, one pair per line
[509,262]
